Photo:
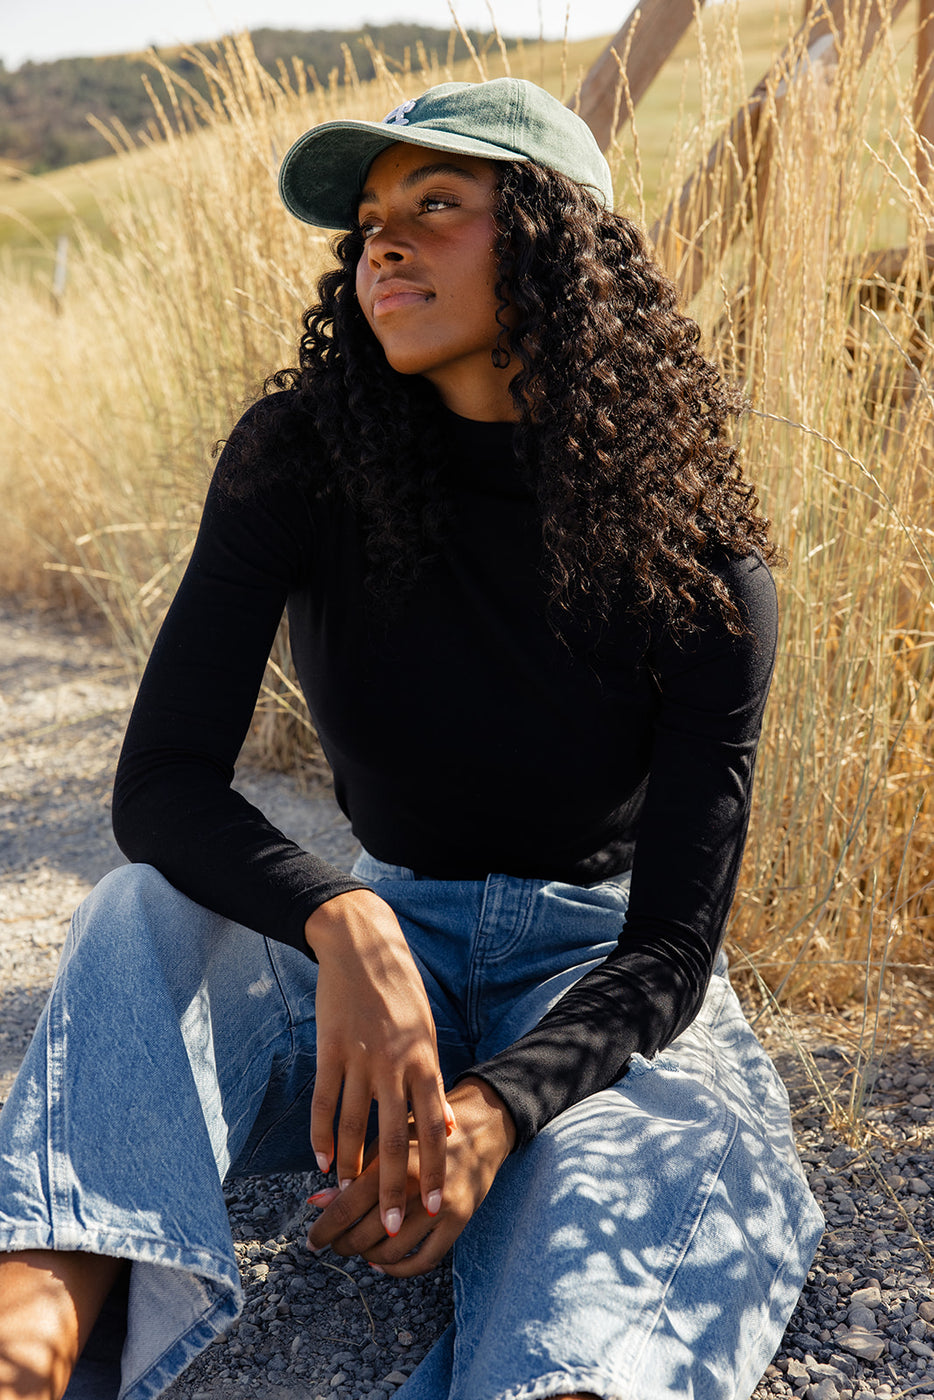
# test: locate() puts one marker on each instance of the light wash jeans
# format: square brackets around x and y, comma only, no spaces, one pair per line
[649,1244]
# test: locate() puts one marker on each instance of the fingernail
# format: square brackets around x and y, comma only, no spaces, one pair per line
[323,1161]
[392,1222]
[348,1181]
[376,1269]
[433,1203]
[313,1248]
[325,1197]
[450,1121]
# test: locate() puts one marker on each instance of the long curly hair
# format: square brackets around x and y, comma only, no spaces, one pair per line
[623,431]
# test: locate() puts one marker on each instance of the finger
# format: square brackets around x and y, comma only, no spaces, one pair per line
[431,1127]
[412,1254]
[385,1251]
[394,1147]
[324,1102]
[345,1210]
[361,1238]
[351,1129]
[322,1199]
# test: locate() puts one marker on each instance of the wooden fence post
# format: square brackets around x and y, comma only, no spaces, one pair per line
[650,33]
[924,93]
[706,213]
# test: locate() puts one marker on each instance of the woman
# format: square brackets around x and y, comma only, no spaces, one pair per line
[530,607]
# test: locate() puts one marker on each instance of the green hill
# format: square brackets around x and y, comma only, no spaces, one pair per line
[44,107]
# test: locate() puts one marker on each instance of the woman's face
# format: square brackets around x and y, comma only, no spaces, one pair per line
[426,277]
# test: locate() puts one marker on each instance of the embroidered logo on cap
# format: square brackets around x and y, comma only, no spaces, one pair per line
[397,115]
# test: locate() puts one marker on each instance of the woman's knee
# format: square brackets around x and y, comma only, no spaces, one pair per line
[135,902]
[125,892]
[135,926]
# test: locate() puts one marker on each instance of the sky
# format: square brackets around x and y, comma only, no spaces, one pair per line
[47,29]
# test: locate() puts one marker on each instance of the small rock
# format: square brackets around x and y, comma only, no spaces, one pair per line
[823,1390]
[405,1339]
[867,1297]
[399,1378]
[921,1349]
[862,1343]
[821,1370]
[926,1311]
[861,1317]
[919,1187]
[797,1373]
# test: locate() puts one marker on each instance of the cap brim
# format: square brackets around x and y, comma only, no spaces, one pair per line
[323,173]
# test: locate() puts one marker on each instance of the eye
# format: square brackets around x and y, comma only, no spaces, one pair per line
[431,203]
[367,227]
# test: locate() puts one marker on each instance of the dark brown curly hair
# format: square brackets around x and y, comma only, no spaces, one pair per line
[623,423]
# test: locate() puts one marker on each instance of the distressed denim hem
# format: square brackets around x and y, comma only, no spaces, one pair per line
[570,1382]
[144,1249]
[179,1355]
[211,1269]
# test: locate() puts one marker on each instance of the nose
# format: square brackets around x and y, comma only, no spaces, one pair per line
[387,246]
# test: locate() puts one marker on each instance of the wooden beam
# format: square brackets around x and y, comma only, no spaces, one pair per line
[885,267]
[713,202]
[924,93]
[645,41]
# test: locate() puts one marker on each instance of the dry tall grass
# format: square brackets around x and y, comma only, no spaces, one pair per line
[833,342]
[113,391]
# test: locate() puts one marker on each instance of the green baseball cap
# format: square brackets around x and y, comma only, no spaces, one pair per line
[503,119]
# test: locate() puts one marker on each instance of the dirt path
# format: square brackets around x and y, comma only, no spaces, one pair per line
[64,702]
[330,1330]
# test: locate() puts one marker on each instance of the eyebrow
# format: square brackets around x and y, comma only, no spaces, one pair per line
[421,173]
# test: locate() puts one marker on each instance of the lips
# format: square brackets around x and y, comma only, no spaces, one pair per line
[396,294]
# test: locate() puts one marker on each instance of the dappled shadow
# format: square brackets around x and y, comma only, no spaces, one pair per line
[57,820]
[663,1226]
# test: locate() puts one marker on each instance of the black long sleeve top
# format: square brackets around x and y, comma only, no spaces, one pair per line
[464,738]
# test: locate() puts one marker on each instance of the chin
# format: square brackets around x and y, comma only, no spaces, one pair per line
[407,364]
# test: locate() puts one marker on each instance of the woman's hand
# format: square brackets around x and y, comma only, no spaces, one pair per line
[376,1040]
[351,1221]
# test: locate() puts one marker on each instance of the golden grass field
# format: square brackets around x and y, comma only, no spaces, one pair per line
[184,285]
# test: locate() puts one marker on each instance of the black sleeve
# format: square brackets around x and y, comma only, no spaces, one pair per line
[689,847]
[174,807]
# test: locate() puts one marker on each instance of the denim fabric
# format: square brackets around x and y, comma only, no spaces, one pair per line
[650,1242]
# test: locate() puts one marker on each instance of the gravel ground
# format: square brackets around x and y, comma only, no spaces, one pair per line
[328,1329]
